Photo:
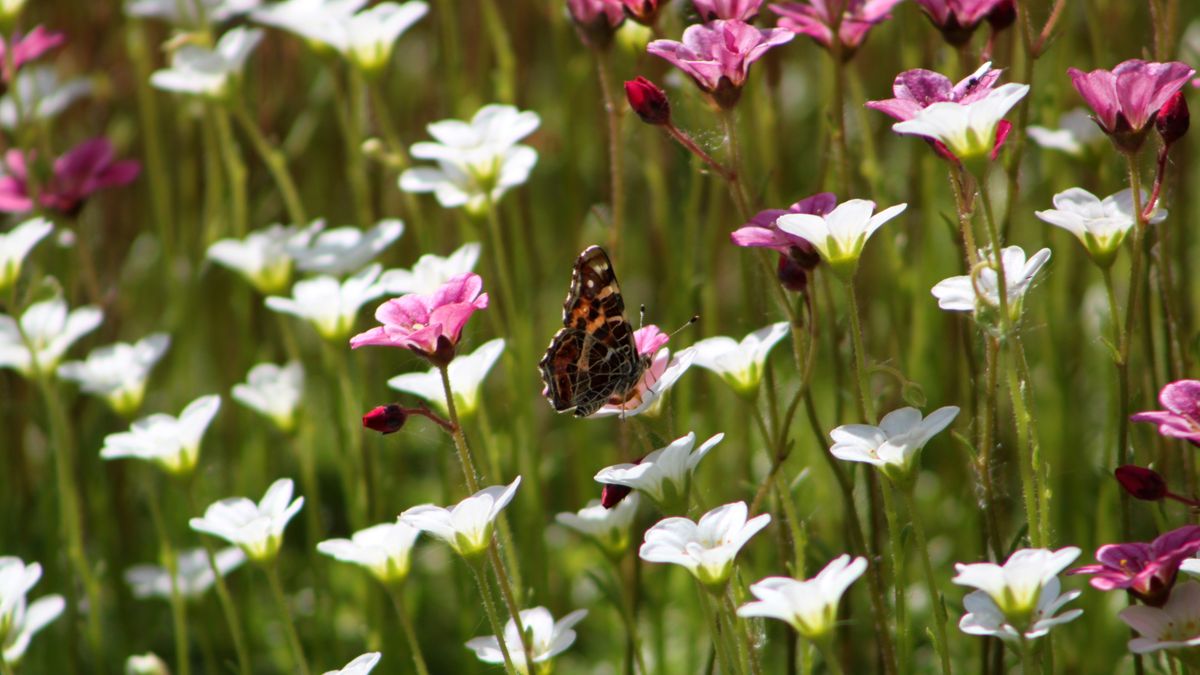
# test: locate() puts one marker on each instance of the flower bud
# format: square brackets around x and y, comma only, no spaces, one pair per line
[612,494]
[1002,15]
[385,419]
[1141,483]
[648,101]
[644,12]
[1173,119]
[796,265]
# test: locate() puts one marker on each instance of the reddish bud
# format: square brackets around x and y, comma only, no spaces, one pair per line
[1002,15]
[1173,119]
[796,265]
[648,100]
[612,494]
[644,12]
[1145,484]
[385,419]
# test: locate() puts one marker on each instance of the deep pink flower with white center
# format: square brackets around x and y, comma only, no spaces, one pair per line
[429,325]
[1127,98]
[1181,419]
[86,168]
[738,10]
[26,48]
[717,55]
[1147,571]
[918,89]
[958,19]
[597,20]
[816,18]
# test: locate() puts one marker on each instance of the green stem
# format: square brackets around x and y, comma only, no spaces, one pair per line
[235,170]
[984,466]
[397,594]
[1132,310]
[503,270]
[719,635]
[160,193]
[865,401]
[825,646]
[941,644]
[276,163]
[506,592]
[736,185]
[178,609]
[1028,663]
[6,668]
[272,571]
[347,406]
[228,608]
[627,608]
[1119,360]
[352,135]
[839,108]
[1024,455]
[506,60]
[899,579]
[460,439]
[615,165]
[489,608]
[742,638]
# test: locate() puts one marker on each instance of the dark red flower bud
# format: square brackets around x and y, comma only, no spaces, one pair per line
[612,494]
[644,12]
[385,419]
[648,100]
[1145,484]
[796,265]
[1002,15]
[1173,119]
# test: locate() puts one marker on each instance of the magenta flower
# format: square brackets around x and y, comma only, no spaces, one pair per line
[958,19]
[761,231]
[79,172]
[717,55]
[816,18]
[737,10]
[1127,98]
[596,20]
[917,89]
[1181,419]
[429,325]
[26,48]
[1147,571]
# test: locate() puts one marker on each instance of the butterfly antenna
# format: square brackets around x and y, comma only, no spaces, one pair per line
[694,319]
[642,317]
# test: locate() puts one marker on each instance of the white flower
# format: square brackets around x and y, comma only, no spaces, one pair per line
[118,372]
[1175,625]
[209,72]
[16,244]
[361,665]
[255,528]
[968,131]
[664,474]
[331,306]
[384,550]
[193,575]
[184,13]
[171,442]
[608,527]
[1019,597]
[959,294]
[662,374]
[809,606]
[740,363]
[368,36]
[343,250]
[466,375]
[263,257]
[19,622]
[706,548]
[548,638]
[1100,226]
[478,161]
[467,527]
[146,664]
[317,21]
[430,271]
[49,329]
[892,446]
[273,391]
[43,96]
[1075,134]
[841,234]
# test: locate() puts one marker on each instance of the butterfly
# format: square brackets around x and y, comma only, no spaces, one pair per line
[593,358]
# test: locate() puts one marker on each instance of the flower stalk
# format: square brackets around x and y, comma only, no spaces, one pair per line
[299,660]
[396,592]
[228,608]
[941,643]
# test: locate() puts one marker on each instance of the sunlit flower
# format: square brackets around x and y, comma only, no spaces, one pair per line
[255,528]
[717,55]
[193,575]
[171,442]
[146,664]
[1147,571]
[431,271]
[1100,226]
[608,527]
[548,638]
[817,18]
[596,20]
[19,621]
[316,21]
[969,131]
[49,329]
[212,73]
[118,372]
[331,306]
[361,665]
[662,373]
[1127,98]
[1075,133]
[706,548]
[466,375]
[763,229]
[26,48]
[1181,417]
[809,606]
[343,250]
[383,550]
[738,10]
[365,38]
[917,89]
[429,325]
[43,96]
[894,446]
[88,167]
[184,13]
[273,391]
[16,244]
[467,526]
[981,295]
[1019,598]
[1175,625]
[663,475]
[958,19]
[264,257]
[740,364]
[841,234]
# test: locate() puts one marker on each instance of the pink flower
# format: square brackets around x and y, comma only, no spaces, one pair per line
[816,18]
[739,10]
[761,231]
[78,173]
[1147,571]
[958,19]
[429,325]
[27,48]
[661,375]
[1127,98]
[717,55]
[1181,419]
[596,20]
[917,89]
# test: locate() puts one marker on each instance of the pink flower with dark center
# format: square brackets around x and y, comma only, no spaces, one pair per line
[429,325]
[717,55]
[26,48]
[739,10]
[79,172]
[958,19]
[1181,419]
[816,19]
[1127,98]
[596,20]
[644,12]
[917,89]
[1147,571]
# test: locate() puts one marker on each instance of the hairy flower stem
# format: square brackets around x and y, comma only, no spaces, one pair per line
[156,173]
[899,579]
[984,461]
[235,170]
[352,135]
[612,115]
[460,440]
[506,591]
[399,160]
[941,643]
[743,643]
[737,187]
[183,663]
[396,592]
[825,646]
[337,363]
[627,608]
[866,403]
[506,59]
[228,608]
[272,571]
[720,634]
[504,272]
[838,109]
[276,163]
[489,608]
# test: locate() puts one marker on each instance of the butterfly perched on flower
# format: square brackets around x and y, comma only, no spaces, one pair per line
[593,358]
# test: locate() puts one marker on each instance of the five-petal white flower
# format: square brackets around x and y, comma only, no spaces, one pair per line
[43,95]
[706,548]
[367,37]
[548,638]
[967,130]
[19,621]
[263,257]
[118,372]
[740,363]
[662,475]
[343,250]
[466,375]
[193,574]
[809,606]
[840,235]
[273,391]
[894,445]
[16,244]
[331,306]
[211,73]
[607,527]
[1076,133]
[184,13]
[1175,625]
[1100,225]
[1019,597]
[255,528]
[430,271]
[384,550]
[171,442]
[361,665]
[49,329]
[146,664]
[982,295]
[467,527]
